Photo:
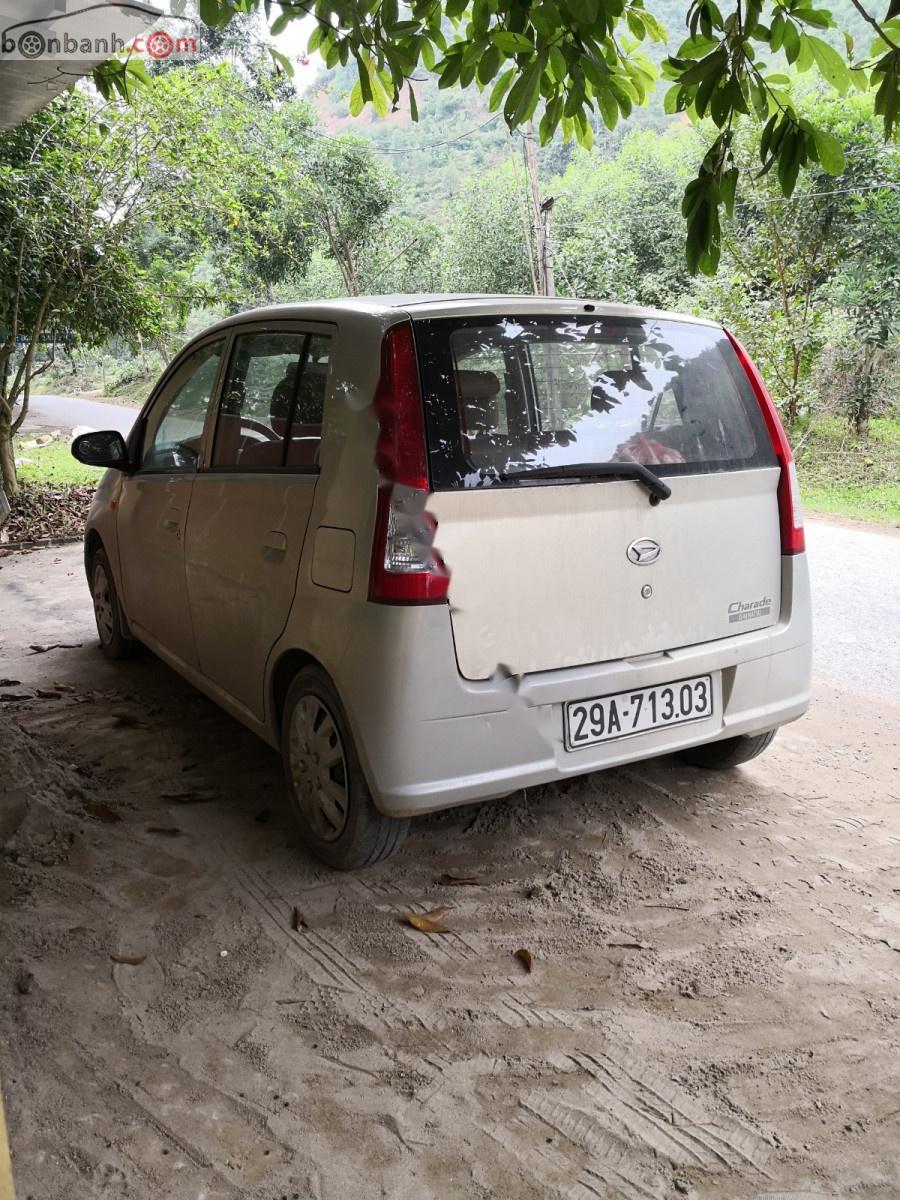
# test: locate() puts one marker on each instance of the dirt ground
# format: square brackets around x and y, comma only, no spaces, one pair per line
[712,1011]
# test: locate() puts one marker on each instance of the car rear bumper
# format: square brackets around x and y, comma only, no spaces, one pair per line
[429,739]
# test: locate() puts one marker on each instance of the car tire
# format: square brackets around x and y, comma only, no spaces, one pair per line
[111,623]
[731,752]
[328,793]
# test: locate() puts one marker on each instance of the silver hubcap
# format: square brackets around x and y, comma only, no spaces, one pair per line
[103,606]
[318,768]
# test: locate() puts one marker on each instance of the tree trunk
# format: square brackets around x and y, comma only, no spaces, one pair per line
[8,479]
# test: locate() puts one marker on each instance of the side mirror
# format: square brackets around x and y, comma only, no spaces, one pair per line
[104,449]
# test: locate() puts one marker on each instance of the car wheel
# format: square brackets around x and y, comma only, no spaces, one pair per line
[107,610]
[329,796]
[731,752]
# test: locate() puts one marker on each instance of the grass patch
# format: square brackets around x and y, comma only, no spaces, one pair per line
[51,464]
[846,476]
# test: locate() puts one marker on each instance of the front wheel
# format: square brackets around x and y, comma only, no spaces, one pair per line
[730,752]
[107,610]
[329,796]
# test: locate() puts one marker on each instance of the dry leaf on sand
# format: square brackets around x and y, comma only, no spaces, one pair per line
[429,922]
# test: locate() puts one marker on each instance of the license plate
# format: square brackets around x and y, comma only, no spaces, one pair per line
[624,714]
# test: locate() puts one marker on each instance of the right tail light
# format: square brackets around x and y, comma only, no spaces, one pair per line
[793,539]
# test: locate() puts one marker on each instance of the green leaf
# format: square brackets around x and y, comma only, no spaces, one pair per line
[413,106]
[609,109]
[511,43]
[805,58]
[672,101]
[488,65]
[830,151]
[558,64]
[635,24]
[500,88]
[380,99]
[357,104]
[550,120]
[791,42]
[655,29]
[832,67]
[531,92]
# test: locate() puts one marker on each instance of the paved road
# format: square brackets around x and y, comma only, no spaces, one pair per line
[67,412]
[856,613]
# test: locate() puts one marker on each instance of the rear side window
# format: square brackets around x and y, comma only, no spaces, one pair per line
[507,394]
[270,416]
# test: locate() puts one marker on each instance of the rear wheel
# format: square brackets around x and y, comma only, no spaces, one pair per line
[329,796]
[108,611]
[731,752]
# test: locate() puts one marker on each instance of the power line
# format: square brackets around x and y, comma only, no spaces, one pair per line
[853,191]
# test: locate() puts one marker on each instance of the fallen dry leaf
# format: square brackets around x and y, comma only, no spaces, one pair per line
[631,945]
[10,682]
[15,696]
[102,812]
[429,922]
[297,922]
[458,880]
[44,694]
[35,648]
[64,687]
[164,830]
[129,960]
[524,957]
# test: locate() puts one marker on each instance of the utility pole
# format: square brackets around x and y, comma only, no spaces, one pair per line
[541,213]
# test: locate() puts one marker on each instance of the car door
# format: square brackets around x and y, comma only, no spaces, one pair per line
[251,504]
[155,501]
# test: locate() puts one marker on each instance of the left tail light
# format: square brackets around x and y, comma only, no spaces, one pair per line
[405,569]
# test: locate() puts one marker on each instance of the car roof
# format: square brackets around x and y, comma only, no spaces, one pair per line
[435,304]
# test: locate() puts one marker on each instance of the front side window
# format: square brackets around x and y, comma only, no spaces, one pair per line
[270,416]
[176,423]
[505,396]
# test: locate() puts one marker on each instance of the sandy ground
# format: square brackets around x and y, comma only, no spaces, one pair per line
[712,1012]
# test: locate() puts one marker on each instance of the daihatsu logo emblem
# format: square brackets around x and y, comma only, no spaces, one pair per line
[643,551]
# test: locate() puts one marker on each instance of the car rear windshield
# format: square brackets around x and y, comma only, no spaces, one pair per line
[506,396]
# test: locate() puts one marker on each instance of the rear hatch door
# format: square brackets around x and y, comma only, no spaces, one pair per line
[552,566]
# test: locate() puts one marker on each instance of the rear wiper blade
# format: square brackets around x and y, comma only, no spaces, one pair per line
[608,470]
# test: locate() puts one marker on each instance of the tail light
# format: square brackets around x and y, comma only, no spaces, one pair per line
[405,567]
[793,539]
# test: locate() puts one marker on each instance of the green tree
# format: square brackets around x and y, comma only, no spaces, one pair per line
[485,236]
[618,229]
[789,264]
[85,190]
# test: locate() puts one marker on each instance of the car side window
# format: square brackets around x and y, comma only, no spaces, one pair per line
[176,422]
[275,380]
[306,419]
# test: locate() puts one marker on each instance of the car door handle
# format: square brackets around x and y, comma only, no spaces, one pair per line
[276,542]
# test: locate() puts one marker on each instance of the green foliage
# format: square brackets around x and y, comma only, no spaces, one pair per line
[484,237]
[617,229]
[574,59]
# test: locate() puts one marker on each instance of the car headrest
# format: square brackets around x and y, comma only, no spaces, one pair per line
[477,385]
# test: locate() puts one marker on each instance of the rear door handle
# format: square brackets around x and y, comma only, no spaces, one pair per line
[276,542]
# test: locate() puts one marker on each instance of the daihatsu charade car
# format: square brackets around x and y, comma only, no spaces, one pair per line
[436,549]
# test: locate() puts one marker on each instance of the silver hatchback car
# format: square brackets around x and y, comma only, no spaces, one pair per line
[438,548]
